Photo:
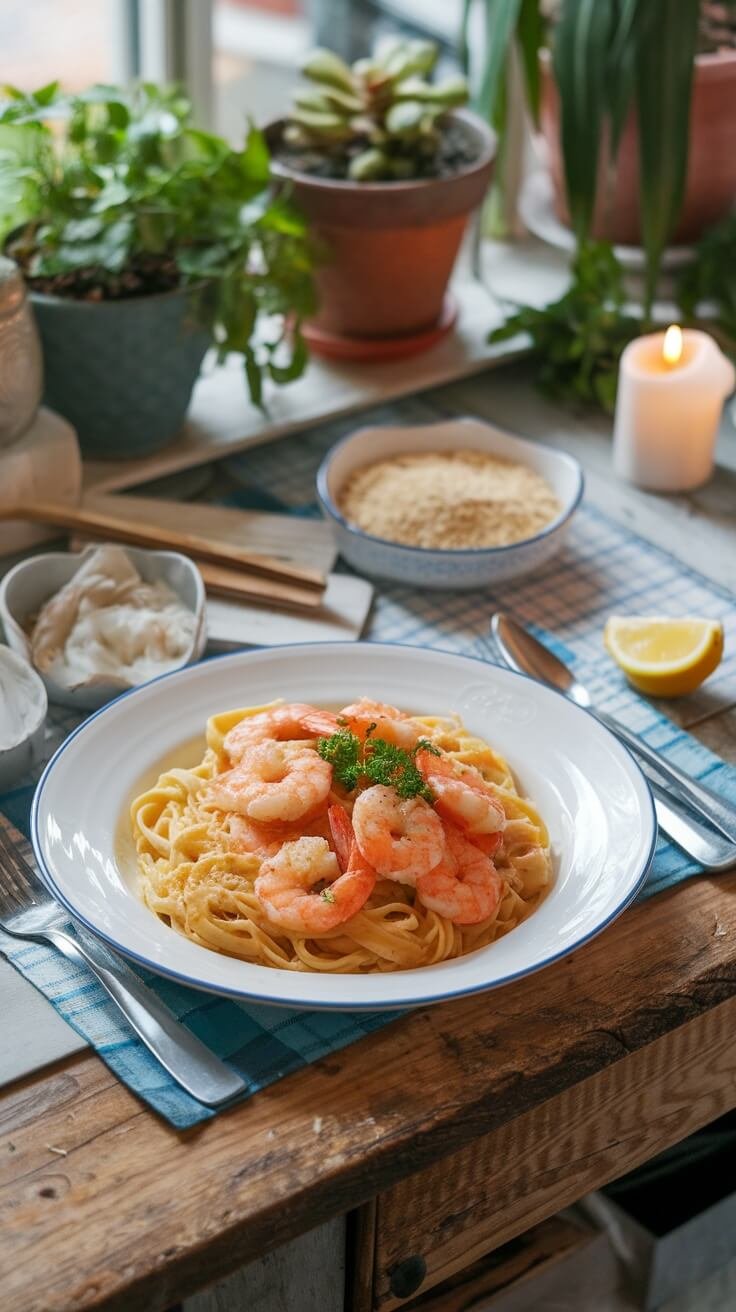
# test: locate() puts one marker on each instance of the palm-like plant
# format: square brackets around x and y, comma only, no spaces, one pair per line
[609,57]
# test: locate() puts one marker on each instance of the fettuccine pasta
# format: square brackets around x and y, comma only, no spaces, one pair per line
[217,866]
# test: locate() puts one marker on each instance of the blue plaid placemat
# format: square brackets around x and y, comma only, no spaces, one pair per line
[603,569]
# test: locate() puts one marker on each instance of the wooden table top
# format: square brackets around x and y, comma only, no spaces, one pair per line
[104,1205]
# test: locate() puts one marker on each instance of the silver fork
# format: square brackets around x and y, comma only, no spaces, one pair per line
[28,911]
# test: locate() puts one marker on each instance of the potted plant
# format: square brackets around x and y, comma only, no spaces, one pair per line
[637,103]
[144,241]
[387,167]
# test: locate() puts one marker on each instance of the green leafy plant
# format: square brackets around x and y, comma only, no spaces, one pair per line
[380,118]
[610,57]
[115,193]
[508,25]
[579,338]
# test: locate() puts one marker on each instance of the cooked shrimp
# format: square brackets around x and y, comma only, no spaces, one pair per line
[386,722]
[254,839]
[261,840]
[461,794]
[285,883]
[465,886]
[349,855]
[400,838]
[274,783]
[343,835]
[488,843]
[293,720]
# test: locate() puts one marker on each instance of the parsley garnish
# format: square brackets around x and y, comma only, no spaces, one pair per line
[342,750]
[327,895]
[386,764]
[375,761]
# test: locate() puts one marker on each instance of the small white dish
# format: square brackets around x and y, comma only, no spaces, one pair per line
[19,751]
[427,567]
[593,797]
[26,587]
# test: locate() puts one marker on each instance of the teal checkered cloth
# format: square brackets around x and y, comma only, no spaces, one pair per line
[603,569]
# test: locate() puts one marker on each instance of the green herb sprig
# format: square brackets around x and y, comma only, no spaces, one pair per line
[384,763]
[579,338]
[376,762]
[342,750]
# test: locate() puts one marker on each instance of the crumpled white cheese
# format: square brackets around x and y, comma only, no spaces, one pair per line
[107,623]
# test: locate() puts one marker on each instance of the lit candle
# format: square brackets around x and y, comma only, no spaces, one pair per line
[671,389]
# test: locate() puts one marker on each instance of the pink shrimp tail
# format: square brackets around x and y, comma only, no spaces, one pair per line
[349,855]
[343,837]
[320,723]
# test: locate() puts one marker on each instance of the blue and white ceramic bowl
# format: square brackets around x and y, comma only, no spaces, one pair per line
[427,567]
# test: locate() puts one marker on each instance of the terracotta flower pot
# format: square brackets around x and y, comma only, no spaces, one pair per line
[711,178]
[390,246]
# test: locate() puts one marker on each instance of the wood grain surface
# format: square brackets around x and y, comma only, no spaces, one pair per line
[535,1257]
[135,1215]
[443,1218]
[102,1205]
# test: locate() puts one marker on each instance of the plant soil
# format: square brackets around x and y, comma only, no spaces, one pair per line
[455,151]
[147,275]
[717,28]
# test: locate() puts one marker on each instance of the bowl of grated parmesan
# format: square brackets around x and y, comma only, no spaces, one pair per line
[455,504]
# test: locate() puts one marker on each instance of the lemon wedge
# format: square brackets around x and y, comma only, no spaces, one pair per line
[664,657]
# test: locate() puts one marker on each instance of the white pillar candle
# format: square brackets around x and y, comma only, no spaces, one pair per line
[671,389]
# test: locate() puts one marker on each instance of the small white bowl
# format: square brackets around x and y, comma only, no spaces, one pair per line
[18,756]
[429,567]
[28,585]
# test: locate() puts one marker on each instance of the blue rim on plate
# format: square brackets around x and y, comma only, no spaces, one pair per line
[327,503]
[262,998]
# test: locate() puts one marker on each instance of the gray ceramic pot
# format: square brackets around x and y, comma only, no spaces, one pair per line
[121,372]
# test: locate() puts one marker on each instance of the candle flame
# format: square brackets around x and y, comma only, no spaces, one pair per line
[672,344]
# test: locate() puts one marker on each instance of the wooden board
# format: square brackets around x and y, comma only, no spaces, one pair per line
[290,537]
[306,1275]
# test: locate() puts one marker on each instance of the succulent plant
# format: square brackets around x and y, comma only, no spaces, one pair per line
[381,117]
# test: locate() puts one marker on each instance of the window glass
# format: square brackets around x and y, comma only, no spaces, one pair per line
[257,49]
[45,40]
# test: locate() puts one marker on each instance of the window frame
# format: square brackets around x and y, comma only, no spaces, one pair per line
[167,41]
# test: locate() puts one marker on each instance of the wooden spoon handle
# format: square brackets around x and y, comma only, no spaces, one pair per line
[240,586]
[96,523]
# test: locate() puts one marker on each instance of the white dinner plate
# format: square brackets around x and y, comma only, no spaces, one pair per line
[592,795]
